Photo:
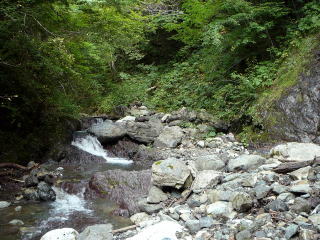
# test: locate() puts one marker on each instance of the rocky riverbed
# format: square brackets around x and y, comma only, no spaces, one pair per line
[189,183]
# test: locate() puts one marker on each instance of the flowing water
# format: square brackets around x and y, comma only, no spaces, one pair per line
[70,209]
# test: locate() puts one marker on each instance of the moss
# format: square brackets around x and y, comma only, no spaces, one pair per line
[112,182]
[158,162]
[170,166]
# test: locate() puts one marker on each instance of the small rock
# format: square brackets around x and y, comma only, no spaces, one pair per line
[18,208]
[244,235]
[262,190]
[206,222]
[277,205]
[4,204]
[286,197]
[156,195]
[208,162]
[242,202]
[16,222]
[193,225]
[301,205]
[300,187]
[291,230]
[144,206]
[301,174]
[205,180]
[315,219]
[139,217]
[220,208]
[170,137]
[306,234]
[61,234]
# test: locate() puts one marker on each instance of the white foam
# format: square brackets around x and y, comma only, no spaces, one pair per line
[91,145]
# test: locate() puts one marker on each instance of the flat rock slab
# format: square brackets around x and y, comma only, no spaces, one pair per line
[294,151]
[246,162]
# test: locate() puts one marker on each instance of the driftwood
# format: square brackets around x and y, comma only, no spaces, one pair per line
[292,166]
[13,165]
[120,230]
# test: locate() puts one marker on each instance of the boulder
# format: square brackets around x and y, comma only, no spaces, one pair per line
[170,137]
[206,179]
[97,232]
[144,132]
[45,192]
[294,151]
[108,131]
[149,208]
[246,162]
[61,234]
[301,174]
[123,187]
[156,195]
[208,162]
[277,206]
[171,172]
[140,217]
[159,231]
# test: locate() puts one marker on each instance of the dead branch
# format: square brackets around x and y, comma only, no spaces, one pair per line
[120,230]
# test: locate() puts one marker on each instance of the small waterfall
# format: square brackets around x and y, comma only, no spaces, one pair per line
[91,145]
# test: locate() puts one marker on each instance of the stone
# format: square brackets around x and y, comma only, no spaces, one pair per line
[205,180]
[97,232]
[193,225]
[31,194]
[170,137]
[246,162]
[301,174]
[208,162]
[139,217]
[170,172]
[290,231]
[149,208]
[306,234]
[61,234]
[262,190]
[278,188]
[16,222]
[156,195]
[164,230]
[123,187]
[294,151]
[4,204]
[244,235]
[315,219]
[219,195]
[108,131]
[31,181]
[286,197]
[206,222]
[45,192]
[144,132]
[301,205]
[242,202]
[126,119]
[300,187]
[18,208]
[219,209]
[277,205]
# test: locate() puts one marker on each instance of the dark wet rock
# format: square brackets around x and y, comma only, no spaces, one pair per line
[31,194]
[277,205]
[108,131]
[31,181]
[123,187]
[45,192]
[76,156]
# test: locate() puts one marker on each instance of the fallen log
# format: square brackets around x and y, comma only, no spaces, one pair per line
[292,166]
[17,166]
[120,230]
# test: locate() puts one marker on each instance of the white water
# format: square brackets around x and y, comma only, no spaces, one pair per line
[91,145]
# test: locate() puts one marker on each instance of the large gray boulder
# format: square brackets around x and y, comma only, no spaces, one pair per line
[170,137]
[170,172]
[97,232]
[144,132]
[296,151]
[246,162]
[108,131]
[208,162]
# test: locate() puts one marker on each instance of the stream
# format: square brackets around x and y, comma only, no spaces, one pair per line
[70,209]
